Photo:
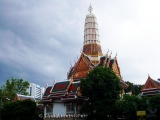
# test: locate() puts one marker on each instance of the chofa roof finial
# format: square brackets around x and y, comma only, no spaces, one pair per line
[90,8]
[148,75]
[116,54]
[107,52]
[110,54]
[81,50]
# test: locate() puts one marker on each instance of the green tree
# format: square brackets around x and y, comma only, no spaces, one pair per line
[12,87]
[128,106]
[2,94]
[135,89]
[102,87]
[155,104]
[20,110]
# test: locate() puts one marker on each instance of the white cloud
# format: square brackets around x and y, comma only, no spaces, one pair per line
[39,39]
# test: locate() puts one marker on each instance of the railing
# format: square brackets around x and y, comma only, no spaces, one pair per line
[64,117]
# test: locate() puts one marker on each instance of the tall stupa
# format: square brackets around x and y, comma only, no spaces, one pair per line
[91,45]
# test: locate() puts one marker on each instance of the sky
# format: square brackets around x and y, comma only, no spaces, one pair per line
[39,39]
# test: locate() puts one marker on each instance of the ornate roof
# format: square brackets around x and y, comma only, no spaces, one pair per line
[150,84]
[151,87]
[73,88]
[60,86]
[81,68]
[84,65]
[47,91]
[66,90]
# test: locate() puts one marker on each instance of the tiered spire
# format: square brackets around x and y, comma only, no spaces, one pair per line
[91,46]
[90,8]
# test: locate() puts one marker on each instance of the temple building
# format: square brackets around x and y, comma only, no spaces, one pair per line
[151,88]
[91,55]
[65,97]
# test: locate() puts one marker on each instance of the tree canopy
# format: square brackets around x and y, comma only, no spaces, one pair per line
[135,89]
[12,87]
[102,87]
[128,106]
[155,104]
[20,110]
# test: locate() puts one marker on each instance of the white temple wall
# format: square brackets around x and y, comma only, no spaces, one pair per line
[59,108]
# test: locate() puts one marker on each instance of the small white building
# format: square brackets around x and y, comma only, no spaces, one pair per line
[35,90]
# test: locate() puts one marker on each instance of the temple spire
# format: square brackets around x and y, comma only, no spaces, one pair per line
[91,45]
[90,8]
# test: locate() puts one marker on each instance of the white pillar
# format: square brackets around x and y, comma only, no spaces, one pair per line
[75,109]
[45,110]
[52,108]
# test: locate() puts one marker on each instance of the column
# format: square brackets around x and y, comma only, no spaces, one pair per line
[45,111]
[52,109]
[75,108]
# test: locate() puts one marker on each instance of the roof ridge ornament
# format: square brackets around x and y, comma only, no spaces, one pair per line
[107,53]
[148,75]
[110,54]
[70,63]
[116,55]
[90,8]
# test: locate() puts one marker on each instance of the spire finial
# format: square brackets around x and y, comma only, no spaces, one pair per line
[90,8]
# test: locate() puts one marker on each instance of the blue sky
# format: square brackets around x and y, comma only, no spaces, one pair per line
[39,39]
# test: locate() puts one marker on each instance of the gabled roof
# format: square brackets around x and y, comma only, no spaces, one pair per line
[106,61]
[47,91]
[73,88]
[111,63]
[150,84]
[60,89]
[102,60]
[66,90]
[60,86]
[81,67]
[123,84]
[151,87]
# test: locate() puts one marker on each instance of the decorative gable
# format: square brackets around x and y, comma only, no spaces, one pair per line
[151,88]
[47,91]
[82,67]
[73,88]
[149,84]
[116,68]
[111,63]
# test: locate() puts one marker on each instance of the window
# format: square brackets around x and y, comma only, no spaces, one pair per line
[78,108]
[49,109]
[69,107]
